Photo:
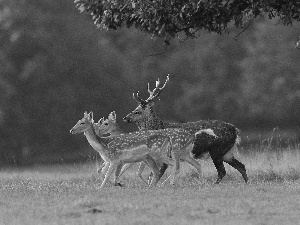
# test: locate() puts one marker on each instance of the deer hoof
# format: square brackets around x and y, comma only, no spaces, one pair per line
[217,181]
[118,185]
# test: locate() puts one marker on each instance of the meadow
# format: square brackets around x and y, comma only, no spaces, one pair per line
[69,194]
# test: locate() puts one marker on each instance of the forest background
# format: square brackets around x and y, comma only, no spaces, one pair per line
[55,64]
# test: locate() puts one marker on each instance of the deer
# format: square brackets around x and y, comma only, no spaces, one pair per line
[220,148]
[110,126]
[116,151]
[178,148]
[116,130]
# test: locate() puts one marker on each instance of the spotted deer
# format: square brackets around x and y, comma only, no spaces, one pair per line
[220,148]
[116,130]
[181,143]
[117,151]
[109,126]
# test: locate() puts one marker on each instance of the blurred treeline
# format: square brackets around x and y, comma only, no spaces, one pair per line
[55,64]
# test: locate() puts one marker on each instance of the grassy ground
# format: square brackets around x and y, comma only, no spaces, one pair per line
[69,194]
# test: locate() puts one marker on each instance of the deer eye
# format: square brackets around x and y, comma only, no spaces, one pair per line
[137,112]
[106,124]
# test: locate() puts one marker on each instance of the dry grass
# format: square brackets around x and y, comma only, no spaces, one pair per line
[69,194]
[44,199]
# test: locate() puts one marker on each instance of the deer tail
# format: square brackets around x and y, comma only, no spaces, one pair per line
[237,140]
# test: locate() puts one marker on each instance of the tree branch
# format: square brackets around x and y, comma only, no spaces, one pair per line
[248,25]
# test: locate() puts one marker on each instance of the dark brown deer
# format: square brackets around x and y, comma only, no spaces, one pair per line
[220,149]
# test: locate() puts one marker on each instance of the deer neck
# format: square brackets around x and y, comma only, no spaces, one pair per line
[99,144]
[116,131]
[151,122]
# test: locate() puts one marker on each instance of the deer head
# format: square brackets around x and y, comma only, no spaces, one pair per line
[83,124]
[144,110]
[97,126]
[108,126]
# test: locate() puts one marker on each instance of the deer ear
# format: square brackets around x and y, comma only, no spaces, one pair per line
[112,116]
[101,121]
[85,114]
[90,115]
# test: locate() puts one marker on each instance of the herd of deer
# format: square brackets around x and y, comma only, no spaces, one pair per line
[158,144]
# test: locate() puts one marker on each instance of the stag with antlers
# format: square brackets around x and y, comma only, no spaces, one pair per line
[220,149]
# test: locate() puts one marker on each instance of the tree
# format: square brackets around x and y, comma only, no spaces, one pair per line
[43,56]
[168,18]
[270,77]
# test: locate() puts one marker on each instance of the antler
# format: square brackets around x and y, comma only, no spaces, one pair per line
[157,90]
[137,98]
[153,94]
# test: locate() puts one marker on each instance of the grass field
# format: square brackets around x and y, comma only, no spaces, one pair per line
[69,194]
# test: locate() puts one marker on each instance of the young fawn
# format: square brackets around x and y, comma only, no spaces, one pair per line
[110,126]
[181,143]
[220,148]
[117,151]
[114,132]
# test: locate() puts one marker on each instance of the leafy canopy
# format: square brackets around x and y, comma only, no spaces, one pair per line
[167,18]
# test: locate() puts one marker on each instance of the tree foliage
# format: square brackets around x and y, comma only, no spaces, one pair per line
[167,18]
[43,59]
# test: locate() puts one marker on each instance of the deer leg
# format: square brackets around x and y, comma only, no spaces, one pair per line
[152,164]
[220,168]
[99,167]
[169,162]
[166,180]
[117,175]
[189,159]
[125,167]
[162,171]
[176,168]
[141,169]
[104,169]
[229,158]
[239,167]
[166,149]
[111,168]
[162,168]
